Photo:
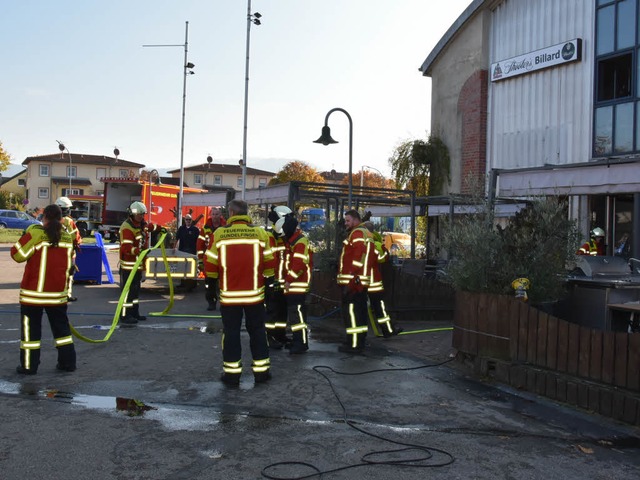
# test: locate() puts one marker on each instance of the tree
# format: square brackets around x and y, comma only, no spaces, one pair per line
[297,171]
[5,158]
[421,166]
[369,179]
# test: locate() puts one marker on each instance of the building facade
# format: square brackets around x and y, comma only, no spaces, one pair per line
[218,176]
[542,97]
[79,175]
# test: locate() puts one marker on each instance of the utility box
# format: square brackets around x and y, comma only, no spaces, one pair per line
[89,263]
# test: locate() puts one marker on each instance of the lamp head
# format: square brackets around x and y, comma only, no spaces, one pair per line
[189,65]
[325,138]
[209,159]
[116,152]
[61,146]
[257,15]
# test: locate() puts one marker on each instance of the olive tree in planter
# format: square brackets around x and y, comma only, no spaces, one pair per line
[539,243]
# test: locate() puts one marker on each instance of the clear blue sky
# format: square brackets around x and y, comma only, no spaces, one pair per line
[76,71]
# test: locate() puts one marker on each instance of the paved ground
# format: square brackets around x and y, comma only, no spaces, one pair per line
[147,404]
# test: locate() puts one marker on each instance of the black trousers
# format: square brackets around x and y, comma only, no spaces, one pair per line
[276,322]
[355,315]
[211,292]
[31,335]
[231,344]
[131,307]
[381,317]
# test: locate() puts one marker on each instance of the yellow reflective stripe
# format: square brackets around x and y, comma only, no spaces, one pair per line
[240,301]
[357,263]
[123,242]
[51,301]
[355,330]
[358,240]
[64,341]
[34,293]
[30,345]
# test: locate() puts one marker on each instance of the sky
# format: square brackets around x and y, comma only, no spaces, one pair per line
[76,71]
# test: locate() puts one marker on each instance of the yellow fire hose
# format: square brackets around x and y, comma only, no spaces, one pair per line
[125,292]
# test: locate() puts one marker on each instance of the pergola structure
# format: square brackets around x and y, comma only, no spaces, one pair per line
[381,202]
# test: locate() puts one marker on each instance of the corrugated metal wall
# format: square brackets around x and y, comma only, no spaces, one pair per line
[542,117]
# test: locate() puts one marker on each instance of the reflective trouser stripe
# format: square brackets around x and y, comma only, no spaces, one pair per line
[260,366]
[354,329]
[63,341]
[233,368]
[385,320]
[27,345]
[300,326]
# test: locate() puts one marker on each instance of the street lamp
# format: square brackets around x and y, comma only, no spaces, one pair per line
[187,70]
[362,173]
[62,148]
[255,19]
[325,139]
[151,182]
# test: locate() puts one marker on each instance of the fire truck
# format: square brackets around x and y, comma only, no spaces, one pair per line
[161,201]
[87,213]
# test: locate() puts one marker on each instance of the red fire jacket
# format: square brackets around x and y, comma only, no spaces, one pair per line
[133,239]
[354,258]
[298,265]
[46,275]
[240,257]
[206,236]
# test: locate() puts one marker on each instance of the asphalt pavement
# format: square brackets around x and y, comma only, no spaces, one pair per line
[148,404]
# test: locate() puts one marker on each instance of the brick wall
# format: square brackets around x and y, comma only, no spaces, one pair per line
[472,110]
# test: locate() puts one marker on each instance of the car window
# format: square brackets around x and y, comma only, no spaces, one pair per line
[22,216]
[3,214]
[11,214]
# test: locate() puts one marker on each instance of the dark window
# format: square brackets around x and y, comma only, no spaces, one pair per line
[614,77]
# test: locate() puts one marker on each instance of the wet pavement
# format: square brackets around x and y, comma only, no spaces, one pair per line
[147,404]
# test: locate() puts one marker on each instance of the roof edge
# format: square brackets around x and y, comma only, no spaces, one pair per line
[464,17]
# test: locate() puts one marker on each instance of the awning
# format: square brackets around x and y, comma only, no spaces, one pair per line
[582,179]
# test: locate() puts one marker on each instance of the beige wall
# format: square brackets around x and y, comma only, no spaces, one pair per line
[12,185]
[92,172]
[228,180]
[463,56]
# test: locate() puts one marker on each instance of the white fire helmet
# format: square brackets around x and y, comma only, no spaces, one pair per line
[597,232]
[64,202]
[137,208]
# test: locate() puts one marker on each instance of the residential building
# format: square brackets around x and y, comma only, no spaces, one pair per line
[13,180]
[51,176]
[542,97]
[220,176]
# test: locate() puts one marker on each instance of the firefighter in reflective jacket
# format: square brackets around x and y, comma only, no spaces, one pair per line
[353,277]
[595,245]
[70,226]
[48,251]
[275,300]
[204,240]
[134,238]
[378,255]
[297,279]
[240,257]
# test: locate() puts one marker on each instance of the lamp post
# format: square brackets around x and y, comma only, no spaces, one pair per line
[362,173]
[255,19]
[62,148]
[325,139]
[187,70]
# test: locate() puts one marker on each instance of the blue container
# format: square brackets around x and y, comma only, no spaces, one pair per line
[89,263]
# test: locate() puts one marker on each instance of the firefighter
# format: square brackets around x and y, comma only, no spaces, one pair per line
[297,279]
[378,254]
[70,226]
[240,257]
[595,245]
[48,251]
[354,279]
[276,302]
[204,240]
[134,238]
[187,241]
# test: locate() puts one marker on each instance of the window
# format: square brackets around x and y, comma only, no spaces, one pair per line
[22,182]
[123,173]
[614,77]
[217,180]
[197,178]
[617,78]
[72,191]
[43,192]
[72,172]
[44,170]
[101,173]
[263,182]
[239,182]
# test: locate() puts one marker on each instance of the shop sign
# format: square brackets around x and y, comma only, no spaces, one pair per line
[566,52]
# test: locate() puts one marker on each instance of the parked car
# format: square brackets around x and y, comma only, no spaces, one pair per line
[16,219]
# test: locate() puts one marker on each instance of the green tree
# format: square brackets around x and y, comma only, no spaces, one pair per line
[422,166]
[5,158]
[297,171]
[539,243]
